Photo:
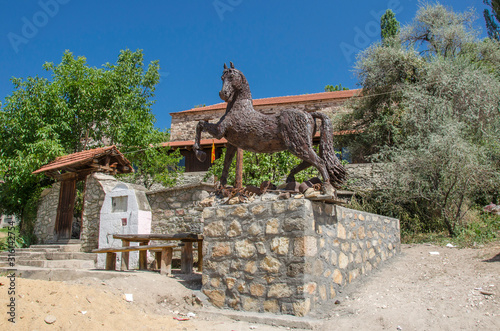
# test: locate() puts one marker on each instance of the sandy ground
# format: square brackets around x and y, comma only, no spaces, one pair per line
[458,289]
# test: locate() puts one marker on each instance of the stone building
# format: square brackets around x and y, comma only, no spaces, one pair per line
[184,122]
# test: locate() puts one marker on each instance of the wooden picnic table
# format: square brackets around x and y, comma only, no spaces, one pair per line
[186,239]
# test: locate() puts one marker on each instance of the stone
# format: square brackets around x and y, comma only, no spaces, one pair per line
[50,319]
[261,248]
[343,260]
[333,294]
[310,288]
[311,193]
[293,224]
[251,267]
[234,229]
[361,217]
[259,209]
[245,248]
[295,269]
[215,229]
[215,282]
[279,291]
[233,201]
[305,246]
[221,249]
[322,292]
[255,229]
[358,258]
[337,276]
[270,264]
[217,297]
[230,281]
[318,267]
[272,226]
[257,290]
[302,308]
[371,253]
[341,234]
[280,245]
[271,306]
[361,233]
[295,204]
[221,213]
[251,304]
[279,207]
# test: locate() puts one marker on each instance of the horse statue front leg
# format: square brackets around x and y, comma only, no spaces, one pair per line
[215,130]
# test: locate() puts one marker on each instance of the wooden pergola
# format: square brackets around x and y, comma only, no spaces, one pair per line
[69,169]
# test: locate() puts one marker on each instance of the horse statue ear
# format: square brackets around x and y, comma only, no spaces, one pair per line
[225,66]
[231,64]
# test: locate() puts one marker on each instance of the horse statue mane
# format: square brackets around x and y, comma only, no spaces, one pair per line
[291,129]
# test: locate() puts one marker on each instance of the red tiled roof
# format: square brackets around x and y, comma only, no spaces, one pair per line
[81,157]
[284,100]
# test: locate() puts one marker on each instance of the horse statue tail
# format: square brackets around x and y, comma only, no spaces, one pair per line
[335,169]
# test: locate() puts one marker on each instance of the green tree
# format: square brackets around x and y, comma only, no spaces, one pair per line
[259,167]
[433,116]
[78,108]
[331,88]
[389,26]
[492,18]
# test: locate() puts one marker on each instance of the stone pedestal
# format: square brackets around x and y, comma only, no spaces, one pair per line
[287,256]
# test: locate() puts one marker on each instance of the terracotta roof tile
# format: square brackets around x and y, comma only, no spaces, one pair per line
[79,157]
[284,100]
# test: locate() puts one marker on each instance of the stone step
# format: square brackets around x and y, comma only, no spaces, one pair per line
[59,247]
[63,264]
[25,256]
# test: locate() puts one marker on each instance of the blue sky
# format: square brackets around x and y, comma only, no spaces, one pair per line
[283,47]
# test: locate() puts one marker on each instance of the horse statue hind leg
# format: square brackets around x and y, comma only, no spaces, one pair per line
[298,128]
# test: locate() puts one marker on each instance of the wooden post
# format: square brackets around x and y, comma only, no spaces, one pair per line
[166,261]
[143,257]
[187,258]
[200,255]
[125,256]
[110,261]
[238,180]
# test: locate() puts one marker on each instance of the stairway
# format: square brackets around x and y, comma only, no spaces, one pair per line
[58,256]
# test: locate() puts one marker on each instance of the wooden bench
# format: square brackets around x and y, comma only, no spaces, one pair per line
[187,240]
[163,256]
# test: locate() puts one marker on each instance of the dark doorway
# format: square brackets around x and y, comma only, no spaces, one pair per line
[64,218]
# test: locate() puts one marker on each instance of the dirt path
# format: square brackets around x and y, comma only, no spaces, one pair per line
[415,291]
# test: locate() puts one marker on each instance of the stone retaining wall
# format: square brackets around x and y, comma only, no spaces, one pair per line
[288,256]
[176,210]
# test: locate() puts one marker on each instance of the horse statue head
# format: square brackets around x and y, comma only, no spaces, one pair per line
[234,84]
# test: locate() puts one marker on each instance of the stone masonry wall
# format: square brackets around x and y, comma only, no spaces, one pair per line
[364,176]
[288,256]
[46,214]
[176,210]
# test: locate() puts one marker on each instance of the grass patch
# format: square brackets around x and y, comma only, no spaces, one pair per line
[481,228]
[4,234]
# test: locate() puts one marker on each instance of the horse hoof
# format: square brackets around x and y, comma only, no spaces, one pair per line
[201,155]
[328,189]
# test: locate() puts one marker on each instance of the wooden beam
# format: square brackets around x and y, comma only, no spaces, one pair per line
[110,261]
[238,181]
[166,261]
[125,256]
[187,258]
